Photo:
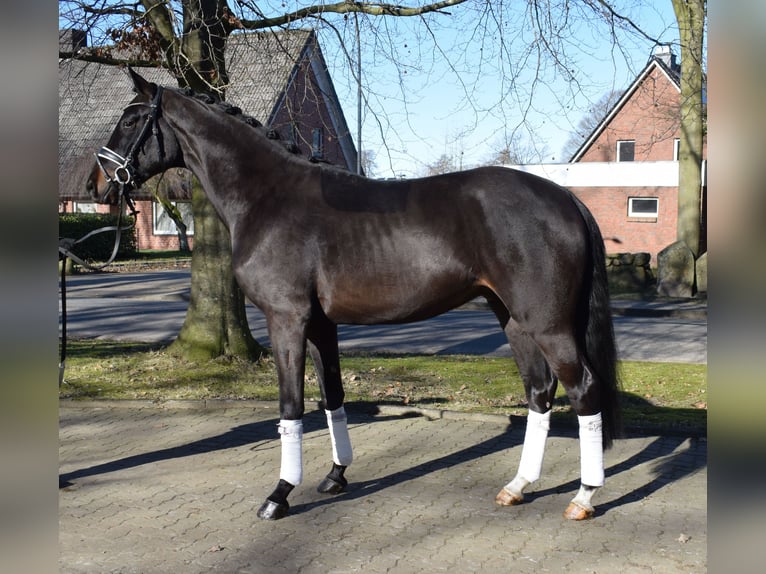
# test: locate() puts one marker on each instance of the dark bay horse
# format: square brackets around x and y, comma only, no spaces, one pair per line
[315,246]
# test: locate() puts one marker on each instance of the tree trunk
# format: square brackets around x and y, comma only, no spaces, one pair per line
[691,23]
[215,323]
[183,239]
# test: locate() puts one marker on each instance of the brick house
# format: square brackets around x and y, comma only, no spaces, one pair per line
[279,78]
[626,171]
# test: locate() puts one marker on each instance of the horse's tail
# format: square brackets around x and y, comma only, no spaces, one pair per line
[600,347]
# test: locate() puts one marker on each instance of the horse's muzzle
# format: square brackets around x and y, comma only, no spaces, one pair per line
[100,189]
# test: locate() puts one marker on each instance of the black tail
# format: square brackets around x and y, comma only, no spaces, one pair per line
[600,347]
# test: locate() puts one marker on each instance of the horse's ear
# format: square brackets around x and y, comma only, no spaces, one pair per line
[140,85]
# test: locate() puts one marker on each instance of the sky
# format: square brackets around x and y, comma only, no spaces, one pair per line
[447,85]
[467,82]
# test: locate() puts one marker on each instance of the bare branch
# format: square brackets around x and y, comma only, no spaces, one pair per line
[625,20]
[348,7]
[102,57]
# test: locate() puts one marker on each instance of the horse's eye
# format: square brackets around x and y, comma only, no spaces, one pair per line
[128,123]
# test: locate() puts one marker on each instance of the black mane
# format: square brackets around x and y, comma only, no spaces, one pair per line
[232,110]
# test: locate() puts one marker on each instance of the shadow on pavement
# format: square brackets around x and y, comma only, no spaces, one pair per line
[670,465]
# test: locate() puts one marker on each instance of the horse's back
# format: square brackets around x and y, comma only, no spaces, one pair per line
[396,251]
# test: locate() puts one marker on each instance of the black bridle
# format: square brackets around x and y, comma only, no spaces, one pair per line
[123,174]
[124,177]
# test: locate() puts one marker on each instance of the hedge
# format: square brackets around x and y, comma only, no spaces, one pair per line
[99,246]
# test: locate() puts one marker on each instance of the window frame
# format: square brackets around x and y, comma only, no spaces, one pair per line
[158,210]
[317,143]
[84,207]
[644,214]
[619,149]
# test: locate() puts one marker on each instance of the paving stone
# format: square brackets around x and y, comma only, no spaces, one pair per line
[148,489]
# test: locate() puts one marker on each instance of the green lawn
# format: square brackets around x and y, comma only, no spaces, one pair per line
[664,396]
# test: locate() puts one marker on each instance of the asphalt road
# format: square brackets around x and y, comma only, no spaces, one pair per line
[151,306]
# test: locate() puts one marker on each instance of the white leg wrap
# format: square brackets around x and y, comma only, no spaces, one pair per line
[291,436]
[591,450]
[337,422]
[531,463]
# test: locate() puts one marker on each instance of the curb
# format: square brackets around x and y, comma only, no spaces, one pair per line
[222,404]
[402,411]
[672,310]
[695,314]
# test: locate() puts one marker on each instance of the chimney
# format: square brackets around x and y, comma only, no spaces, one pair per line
[72,40]
[665,55]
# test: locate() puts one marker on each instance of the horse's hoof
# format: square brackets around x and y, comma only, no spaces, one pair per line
[577,511]
[507,498]
[271,510]
[332,486]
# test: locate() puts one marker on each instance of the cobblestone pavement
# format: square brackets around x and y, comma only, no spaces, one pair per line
[147,489]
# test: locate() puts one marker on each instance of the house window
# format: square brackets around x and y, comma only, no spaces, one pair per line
[84,207]
[626,150]
[676,148]
[643,207]
[317,143]
[164,225]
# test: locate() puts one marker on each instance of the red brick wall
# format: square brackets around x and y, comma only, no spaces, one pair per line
[145,238]
[305,107]
[623,234]
[651,117]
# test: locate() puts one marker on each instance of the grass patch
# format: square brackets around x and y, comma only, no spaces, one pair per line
[666,396]
[160,255]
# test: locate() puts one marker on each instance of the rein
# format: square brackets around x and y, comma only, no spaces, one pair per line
[65,252]
[123,176]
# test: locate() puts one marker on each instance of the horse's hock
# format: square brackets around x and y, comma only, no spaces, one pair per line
[629,272]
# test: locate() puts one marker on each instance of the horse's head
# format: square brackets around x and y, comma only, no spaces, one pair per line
[141,146]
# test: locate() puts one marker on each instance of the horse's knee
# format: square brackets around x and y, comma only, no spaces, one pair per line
[291,410]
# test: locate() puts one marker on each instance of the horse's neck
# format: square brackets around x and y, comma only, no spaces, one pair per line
[210,151]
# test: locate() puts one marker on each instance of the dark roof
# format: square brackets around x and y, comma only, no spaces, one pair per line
[92,96]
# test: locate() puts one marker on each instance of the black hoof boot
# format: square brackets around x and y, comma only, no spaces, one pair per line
[335,482]
[276,506]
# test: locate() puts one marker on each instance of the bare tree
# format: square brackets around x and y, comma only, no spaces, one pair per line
[590,122]
[445,164]
[515,150]
[369,166]
[189,37]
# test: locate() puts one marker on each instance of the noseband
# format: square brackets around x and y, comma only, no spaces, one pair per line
[123,174]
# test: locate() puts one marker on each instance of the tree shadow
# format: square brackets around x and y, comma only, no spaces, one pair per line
[248,434]
[670,466]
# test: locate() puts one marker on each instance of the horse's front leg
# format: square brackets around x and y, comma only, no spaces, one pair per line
[288,340]
[323,347]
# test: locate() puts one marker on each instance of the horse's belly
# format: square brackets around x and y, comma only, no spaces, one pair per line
[393,300]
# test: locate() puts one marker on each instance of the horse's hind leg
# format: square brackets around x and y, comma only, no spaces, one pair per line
[323,348]
[540,386]
[582,390]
